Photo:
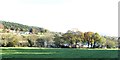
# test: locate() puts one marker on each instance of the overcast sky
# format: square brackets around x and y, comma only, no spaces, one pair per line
[61,15]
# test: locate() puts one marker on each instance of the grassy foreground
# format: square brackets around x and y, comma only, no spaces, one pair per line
[57,53]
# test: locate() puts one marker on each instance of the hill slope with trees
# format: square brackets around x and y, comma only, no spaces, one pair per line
[21,27]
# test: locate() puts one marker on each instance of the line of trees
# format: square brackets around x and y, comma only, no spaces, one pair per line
[70,39]
[91,39]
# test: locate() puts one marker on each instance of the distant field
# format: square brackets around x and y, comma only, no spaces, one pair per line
[58,53]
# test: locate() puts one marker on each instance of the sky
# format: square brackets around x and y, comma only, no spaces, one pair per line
[61,15]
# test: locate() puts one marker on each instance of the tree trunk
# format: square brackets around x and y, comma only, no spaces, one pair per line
[88,44]
[45,43]
[94,44]
[91,45]
[76,44]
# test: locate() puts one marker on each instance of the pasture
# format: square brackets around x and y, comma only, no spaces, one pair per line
[26,52]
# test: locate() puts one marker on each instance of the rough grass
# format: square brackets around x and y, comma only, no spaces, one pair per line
[32,52]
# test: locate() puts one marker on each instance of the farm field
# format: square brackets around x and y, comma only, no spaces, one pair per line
[57,53]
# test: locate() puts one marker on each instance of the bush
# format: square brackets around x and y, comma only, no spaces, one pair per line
[110,44]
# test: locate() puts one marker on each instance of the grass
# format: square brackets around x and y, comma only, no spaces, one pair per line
[57,53]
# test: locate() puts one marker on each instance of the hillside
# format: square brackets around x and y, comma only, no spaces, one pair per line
[16,26]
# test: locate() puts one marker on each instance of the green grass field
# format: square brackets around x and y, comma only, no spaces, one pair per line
[58,53]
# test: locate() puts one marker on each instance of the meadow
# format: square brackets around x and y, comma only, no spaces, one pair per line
[26,52]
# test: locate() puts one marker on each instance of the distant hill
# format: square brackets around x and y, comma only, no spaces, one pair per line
[16,26]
